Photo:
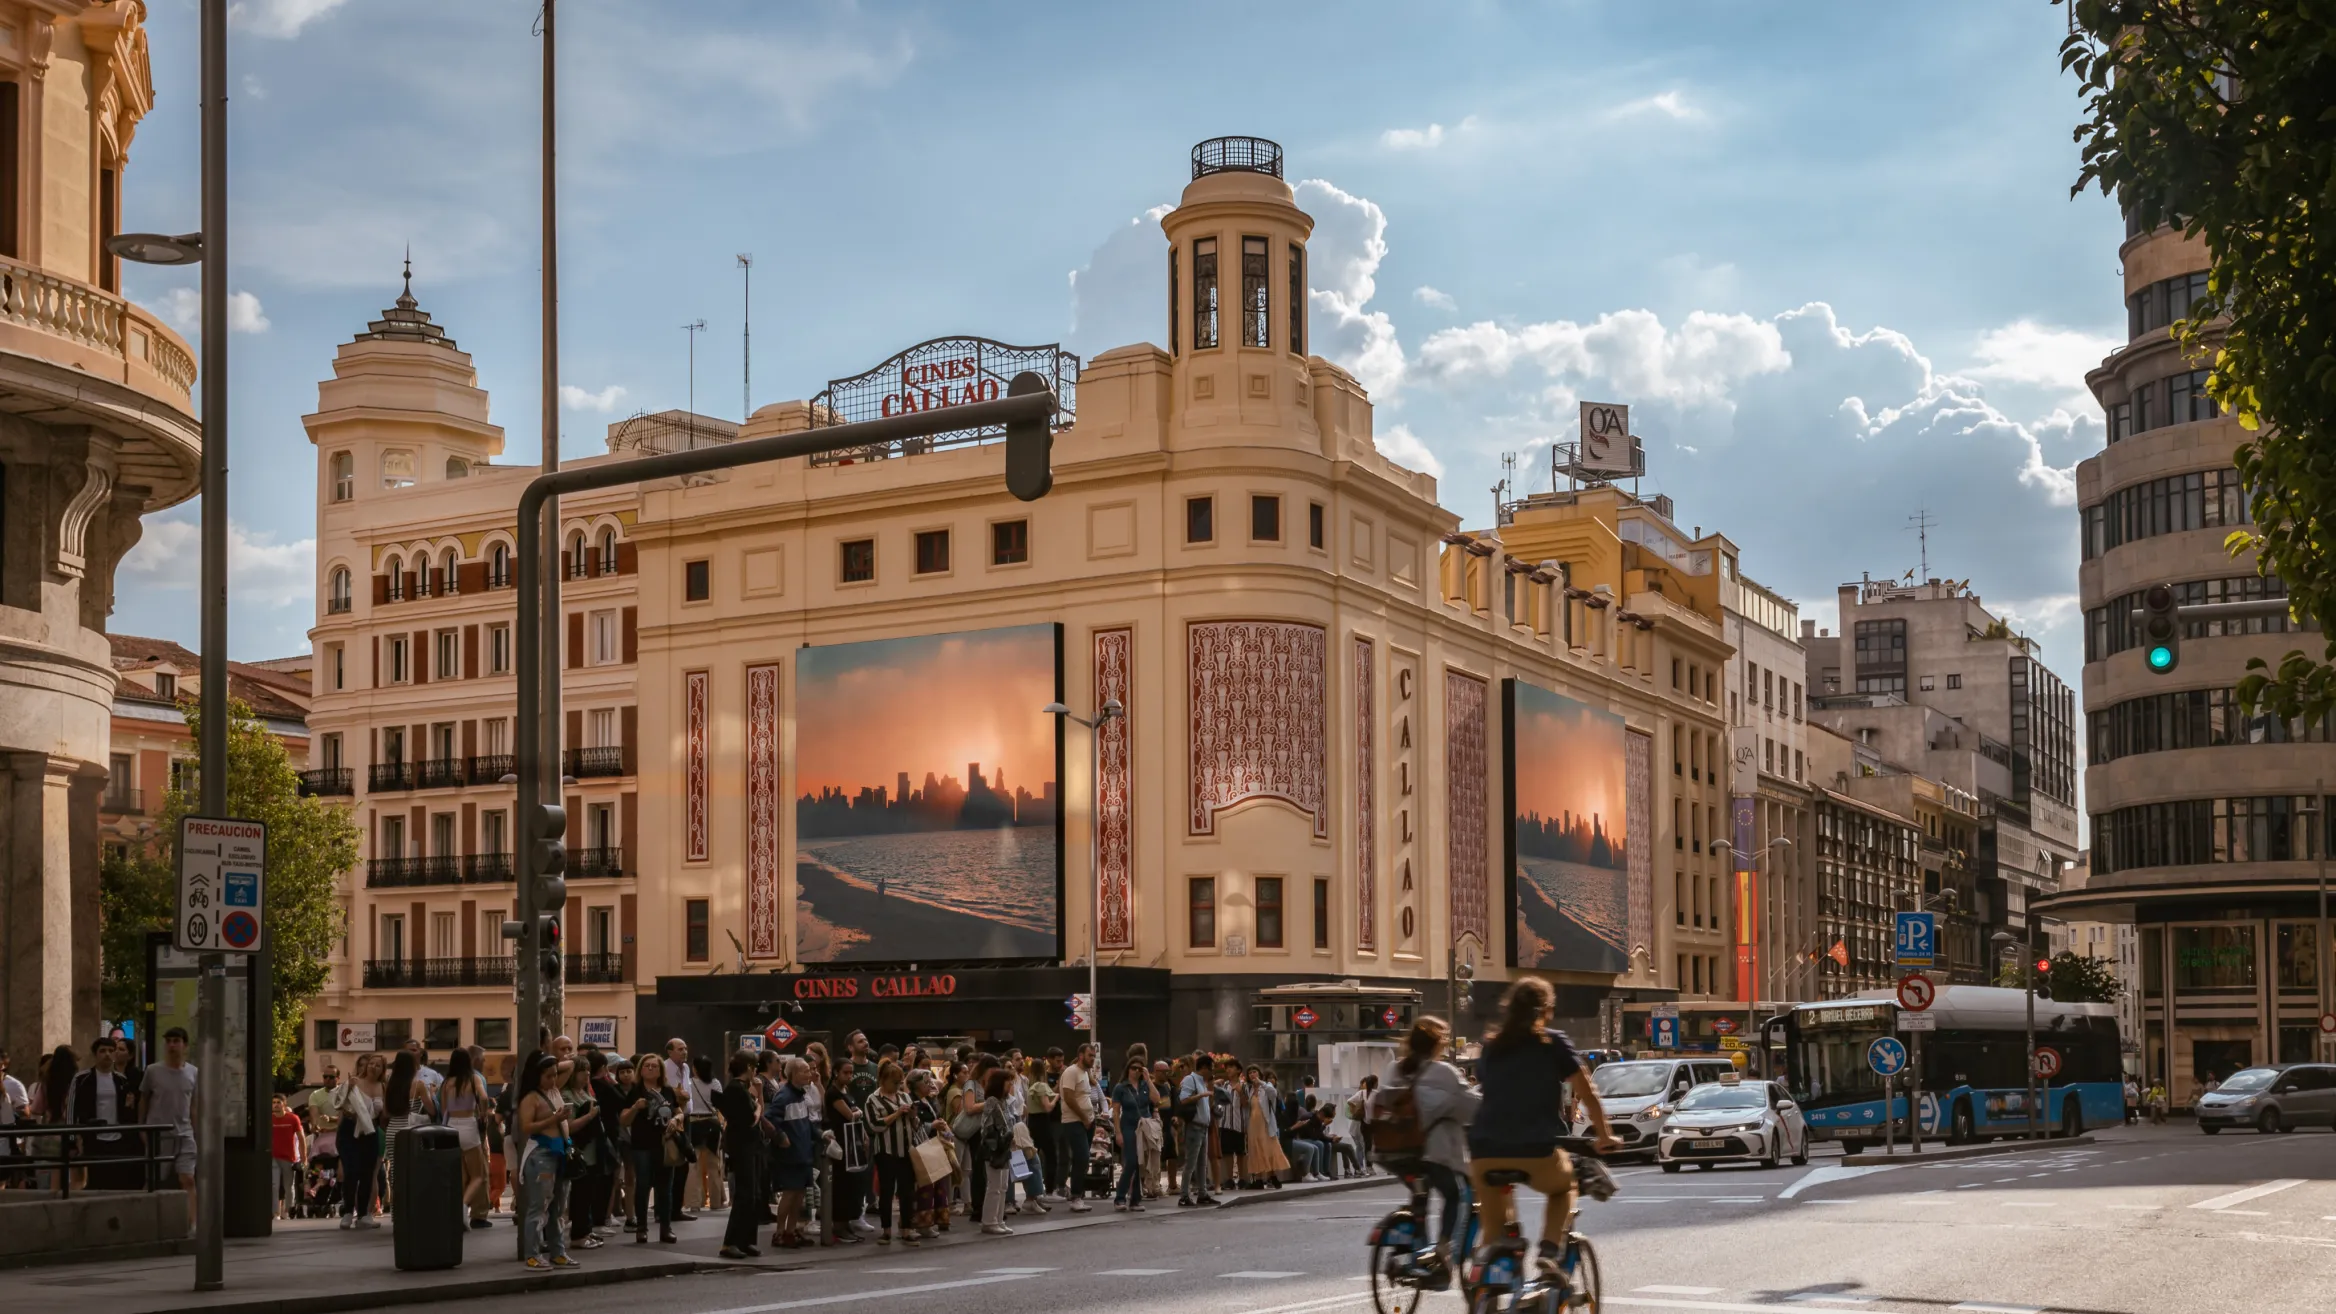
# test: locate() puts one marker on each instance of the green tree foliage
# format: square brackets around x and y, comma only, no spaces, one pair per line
[310,843]
[2219,116]
[2074,979]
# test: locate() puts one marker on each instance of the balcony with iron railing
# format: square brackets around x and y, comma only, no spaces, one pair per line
[485,868]
[328,782]
[1236,155]
[597,863]
[490,768]
[436,973]
[586,763]
[382,776]
[439,869]
[441,772]
[594,969]
[122,801]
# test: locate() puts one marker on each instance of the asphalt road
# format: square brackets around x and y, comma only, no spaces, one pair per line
[2147,1221]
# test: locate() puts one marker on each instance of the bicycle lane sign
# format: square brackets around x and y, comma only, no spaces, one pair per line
[222,884]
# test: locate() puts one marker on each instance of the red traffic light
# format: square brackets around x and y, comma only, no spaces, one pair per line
[2044,965]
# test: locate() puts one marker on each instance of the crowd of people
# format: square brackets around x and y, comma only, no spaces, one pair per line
[110,1090]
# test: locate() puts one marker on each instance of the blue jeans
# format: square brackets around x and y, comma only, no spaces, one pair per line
[1130,1190]
[547,1205]
[651,1178]
[1072,1148]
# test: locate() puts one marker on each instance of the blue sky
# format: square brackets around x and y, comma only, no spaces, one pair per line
[1826,250]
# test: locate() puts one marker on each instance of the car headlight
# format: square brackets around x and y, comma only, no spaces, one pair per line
[1653,1111]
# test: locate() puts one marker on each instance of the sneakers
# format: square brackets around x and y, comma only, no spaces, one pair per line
[480,1225]
[536,1261]
[1081,1207]
[348,1222]
[562,1261]
[368,1223]
[1118,1208]
[1051,1197]
[884,1238]
[1136,1208]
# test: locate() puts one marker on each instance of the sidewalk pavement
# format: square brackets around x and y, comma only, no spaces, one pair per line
[310,1266]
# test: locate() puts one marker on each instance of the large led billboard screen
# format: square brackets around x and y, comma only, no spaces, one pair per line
[1569,855]
[925,798]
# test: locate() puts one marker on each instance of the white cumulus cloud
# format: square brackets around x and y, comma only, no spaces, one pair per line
[281,19]
[604,401]
[1120,296]
[1399,444]
[2054,360]
[1667,104]
[1423,139]
[182,308]
[1342,267]
[260,570]
[1628,349]
[1428,296]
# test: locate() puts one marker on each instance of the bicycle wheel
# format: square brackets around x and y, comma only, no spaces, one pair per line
[1390,1295]
[1587,1294]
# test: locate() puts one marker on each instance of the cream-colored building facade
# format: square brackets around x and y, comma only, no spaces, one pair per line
[1310,651]
[96,429]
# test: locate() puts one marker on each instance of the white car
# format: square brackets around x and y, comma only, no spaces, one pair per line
[1733,1120]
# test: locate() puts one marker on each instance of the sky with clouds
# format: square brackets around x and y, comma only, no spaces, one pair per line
[1826,251]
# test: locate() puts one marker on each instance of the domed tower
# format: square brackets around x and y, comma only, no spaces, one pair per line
[403,407]
[1237,298]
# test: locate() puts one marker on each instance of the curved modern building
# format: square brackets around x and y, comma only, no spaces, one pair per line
[2204,832]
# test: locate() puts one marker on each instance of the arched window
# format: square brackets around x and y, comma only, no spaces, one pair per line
[576,563]
[453,566]
[344,469]
[397,579]
[337,593]
[499,567]
[457,468]
[608,551]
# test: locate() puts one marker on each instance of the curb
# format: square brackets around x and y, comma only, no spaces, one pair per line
[1946,1153]
[1310,1189]
[522,1283]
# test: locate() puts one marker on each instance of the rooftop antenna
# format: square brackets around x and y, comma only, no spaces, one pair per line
[746,340]
[1500,491]
[693,328]
[1921,522]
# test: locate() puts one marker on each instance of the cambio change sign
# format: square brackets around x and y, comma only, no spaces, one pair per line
[222,879]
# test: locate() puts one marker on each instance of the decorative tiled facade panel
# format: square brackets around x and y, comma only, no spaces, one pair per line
[1366,811]
[762,811]
[1466,781]
[1115,835]
[696,827]
[1638,766]
[1259,718]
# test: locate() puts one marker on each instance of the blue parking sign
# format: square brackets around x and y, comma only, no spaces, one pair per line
[1887,1055]
[1918,939]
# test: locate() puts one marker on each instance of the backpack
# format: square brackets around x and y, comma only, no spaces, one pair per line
[1393,1117]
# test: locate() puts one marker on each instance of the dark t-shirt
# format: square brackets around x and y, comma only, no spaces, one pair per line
[1523,1113]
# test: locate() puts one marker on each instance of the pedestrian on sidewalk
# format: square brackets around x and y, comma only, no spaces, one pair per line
[625,1078]
[1262,1159]
[360,1108]
[406,1102]
[15,1108]
[997,1150]
[544,1131]
[651,1121]
[166,1093]
[287,1150]
[588,1162]
[101,1094]
[1131,1099]
[1357,1117]
[1232,1105]
[795,1142]
[1080,1092]
[2132,1101]
[682,1080]
[1043,1115]
[932,1199]
[739,1106]
[1160,1134]
[891,1116]
[1195,1099]
[463,1106]
[610,1158]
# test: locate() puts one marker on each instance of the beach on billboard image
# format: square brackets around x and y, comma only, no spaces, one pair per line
[1569,856]
[926,820]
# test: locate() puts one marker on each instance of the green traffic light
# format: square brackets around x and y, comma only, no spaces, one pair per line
[2161,658]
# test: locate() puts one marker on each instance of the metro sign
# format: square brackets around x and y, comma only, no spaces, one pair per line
[1305,1018]
[779,1034]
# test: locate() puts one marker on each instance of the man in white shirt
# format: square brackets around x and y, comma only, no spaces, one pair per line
[1192,1101]
[167,1090]
[1075,1134]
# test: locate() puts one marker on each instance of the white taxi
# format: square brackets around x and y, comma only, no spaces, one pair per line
[1733,1120]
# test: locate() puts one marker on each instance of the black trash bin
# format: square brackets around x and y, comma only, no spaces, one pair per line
[429,1222]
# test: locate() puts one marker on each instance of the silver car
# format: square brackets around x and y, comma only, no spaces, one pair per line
[2272,1099]
[1734,1121]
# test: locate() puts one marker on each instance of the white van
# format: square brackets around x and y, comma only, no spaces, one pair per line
[1639,1094]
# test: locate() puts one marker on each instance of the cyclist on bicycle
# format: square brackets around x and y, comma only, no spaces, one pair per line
[1443,1104]
[1524,1071]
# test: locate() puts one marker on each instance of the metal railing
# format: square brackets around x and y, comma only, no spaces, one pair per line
[99,320]
[122,800]
[389,775]
[441,772]
[595,969]
[490,768]
[486,868]
[438,869]
[429,973]
[585,763]
[1236,155]
[156,1145]
[327,782]
[602,861]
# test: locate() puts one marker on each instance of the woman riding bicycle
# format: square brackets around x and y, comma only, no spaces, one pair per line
[1444,1104]
[1524,1072]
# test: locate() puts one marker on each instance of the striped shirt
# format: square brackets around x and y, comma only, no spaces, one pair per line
[900,1137]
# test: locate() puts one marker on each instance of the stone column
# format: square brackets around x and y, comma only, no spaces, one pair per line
[38,946]
[86,787]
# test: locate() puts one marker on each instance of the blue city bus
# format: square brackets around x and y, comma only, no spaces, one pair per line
[1972,1085]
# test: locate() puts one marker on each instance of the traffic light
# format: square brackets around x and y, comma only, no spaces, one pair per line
[1029,445]
[552,963]
[2161,629]
[548,822]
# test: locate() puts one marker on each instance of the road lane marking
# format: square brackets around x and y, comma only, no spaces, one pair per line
[1147,1272]
[2244,1213]
[1678,1291]
[1262,1273]
[1988,1307]
[905,1268]
[1313,1305]
[1827,1298]
[813,1302]
[1640,1302]
[2249,1193]
[2137,1207]
[1017,1272]
[1830,1202]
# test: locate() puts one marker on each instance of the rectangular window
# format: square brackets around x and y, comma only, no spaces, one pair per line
[399,662]
[1317,533]
[1265,518]
[1269,912]
[441,1033]
[1173,342]
[696,946]
[499,649]
[933,552]
[1204,292]
[329,747]
[1200,520]
[859,560]
[328,1035]
[1200,915]
[109,216]
[1255,325]
[697,581]
[165,685]
[1298,300]
[600,728]
[497,732]
[1928,683]
[491,1033]
[604,638]
[448,662]
[11,168]
[337,657]
[1009,543]
[1321,913]
[390,1034]
[1954,681]
[491,833]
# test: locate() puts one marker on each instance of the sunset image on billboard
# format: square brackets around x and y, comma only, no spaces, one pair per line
[1568,851]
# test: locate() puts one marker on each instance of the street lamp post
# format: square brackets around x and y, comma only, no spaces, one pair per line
[2006,941]
[1110,710]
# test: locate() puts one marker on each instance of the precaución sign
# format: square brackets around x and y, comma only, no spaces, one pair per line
[222,884]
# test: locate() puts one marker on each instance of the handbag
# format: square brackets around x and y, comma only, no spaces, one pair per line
[930,1160]
[677,1153]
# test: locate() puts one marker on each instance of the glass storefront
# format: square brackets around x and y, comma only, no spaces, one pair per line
[2299,958]
[2214,957]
